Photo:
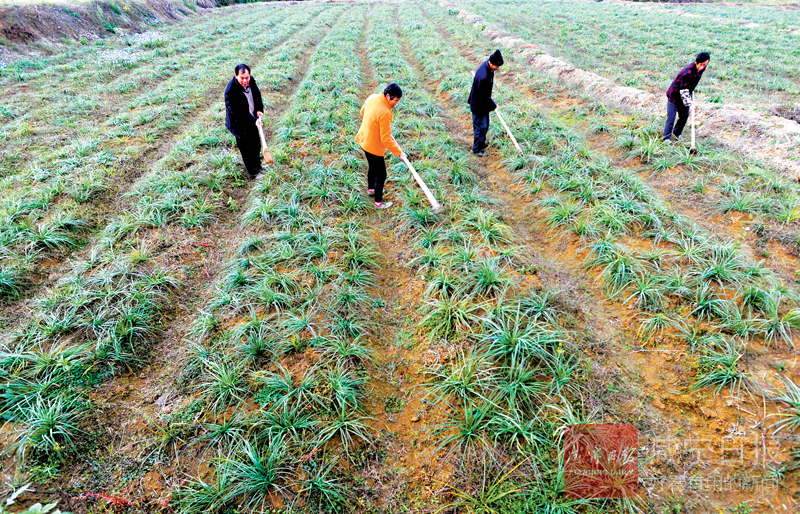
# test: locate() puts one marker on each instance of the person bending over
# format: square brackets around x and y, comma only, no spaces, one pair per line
[375,137]
[680,96]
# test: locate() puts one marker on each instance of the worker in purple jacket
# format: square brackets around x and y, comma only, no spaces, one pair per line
[679,96]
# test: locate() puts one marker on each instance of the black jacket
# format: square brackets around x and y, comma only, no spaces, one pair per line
[237,112]
[480,96]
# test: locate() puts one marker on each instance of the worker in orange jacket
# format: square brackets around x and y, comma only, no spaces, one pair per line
[375,137]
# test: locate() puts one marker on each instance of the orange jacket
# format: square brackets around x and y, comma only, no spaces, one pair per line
[375,134]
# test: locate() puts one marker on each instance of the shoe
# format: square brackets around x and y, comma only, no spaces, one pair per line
[383,205]
[481,154]
[679,138]
[259,176]
[370,192]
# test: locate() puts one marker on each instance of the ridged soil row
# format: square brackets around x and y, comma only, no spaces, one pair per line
[401,418]
[477,271]
[298,311]
[154,390]
[553,269]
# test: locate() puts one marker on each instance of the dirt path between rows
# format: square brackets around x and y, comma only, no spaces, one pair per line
[401,418]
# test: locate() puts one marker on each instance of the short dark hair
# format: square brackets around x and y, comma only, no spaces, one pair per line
[702,57]
[394,91]
[240,68]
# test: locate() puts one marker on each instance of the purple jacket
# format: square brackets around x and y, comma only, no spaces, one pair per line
[681,89]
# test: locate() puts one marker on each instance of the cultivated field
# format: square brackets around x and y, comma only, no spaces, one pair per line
[179,339]
[636,46]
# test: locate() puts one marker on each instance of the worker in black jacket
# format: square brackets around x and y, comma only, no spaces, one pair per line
[243,112]
[480,100]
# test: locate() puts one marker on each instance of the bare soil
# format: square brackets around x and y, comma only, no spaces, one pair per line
[32,29]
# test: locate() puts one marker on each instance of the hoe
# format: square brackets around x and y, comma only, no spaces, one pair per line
[693,148]
[513,139]
[436,206]
[267,154]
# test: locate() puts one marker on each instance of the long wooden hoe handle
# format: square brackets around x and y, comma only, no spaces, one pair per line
[267,154]
[436,206]
[513,139]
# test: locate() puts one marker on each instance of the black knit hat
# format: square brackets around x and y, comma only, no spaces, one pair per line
[496,58]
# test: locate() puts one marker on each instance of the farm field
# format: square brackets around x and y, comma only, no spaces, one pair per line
[639,47]
[176,338]
[782,18]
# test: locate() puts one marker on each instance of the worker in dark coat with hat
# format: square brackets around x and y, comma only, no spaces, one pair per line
[480,100]
[243,112]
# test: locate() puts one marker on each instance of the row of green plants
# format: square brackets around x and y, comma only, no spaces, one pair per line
[103,317]
[775,15]
[601,38]
[724,182]
[771,198]
[48,207]
[278,355]
[687,284]
[515,378]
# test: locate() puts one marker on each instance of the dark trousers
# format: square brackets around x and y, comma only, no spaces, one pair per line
[376,175]
[250,148]
[480,126]
[683,116]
